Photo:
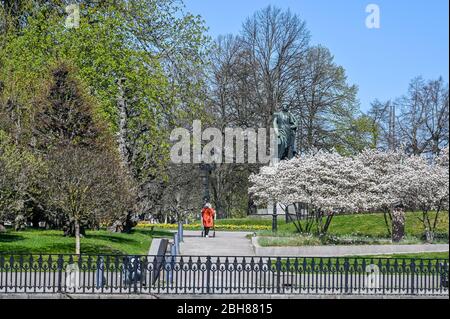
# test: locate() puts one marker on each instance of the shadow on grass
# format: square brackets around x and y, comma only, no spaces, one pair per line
[51,242]
[7,238]
[111,238]
[154,233]
[62,248]
[100,250]
[58,248]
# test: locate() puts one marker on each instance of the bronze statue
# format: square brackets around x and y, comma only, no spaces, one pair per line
[285,126]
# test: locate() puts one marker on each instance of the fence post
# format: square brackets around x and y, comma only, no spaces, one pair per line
[136,264]
[208,273]
[180,231]
[176,241]
[173,253]
[60,266]
[274,218]
[346,270]
[413,279]
[100,273]
[278,267]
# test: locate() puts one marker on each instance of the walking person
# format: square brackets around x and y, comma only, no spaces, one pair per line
[208,215]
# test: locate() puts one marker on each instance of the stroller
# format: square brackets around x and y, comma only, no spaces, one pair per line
[213,229]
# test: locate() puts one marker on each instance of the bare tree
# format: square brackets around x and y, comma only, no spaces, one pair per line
[182,194]
[323,100]
[418,122]
[412,119]
[268,64]
[437,117]
[84,185]
[274,41]
[383,116]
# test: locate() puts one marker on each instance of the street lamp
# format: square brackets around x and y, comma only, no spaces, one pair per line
[205,170]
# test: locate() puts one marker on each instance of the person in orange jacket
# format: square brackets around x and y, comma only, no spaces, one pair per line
[208,215]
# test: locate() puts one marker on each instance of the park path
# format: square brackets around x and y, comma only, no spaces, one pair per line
[237,244]
[224,244]
[346,251]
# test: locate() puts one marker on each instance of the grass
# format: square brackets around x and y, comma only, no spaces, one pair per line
[368,229]
[33,241]
[293,240]
[357,229]
[246,221]
[244,224]
[383,260]
[413,256]
[373,225]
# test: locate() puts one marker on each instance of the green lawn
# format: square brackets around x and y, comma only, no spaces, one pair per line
[366,229]
[413,256]
[356,262]
[250,221]
[359,228]
[374,225]
[96,242]
[371,225]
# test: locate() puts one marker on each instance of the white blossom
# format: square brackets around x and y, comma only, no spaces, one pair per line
[325,181]
[373,180]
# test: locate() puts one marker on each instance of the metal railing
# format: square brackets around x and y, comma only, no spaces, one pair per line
[112,274]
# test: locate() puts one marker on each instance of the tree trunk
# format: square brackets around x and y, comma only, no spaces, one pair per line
[77,237]
[429,228]
[398,225]
[124,224]
[69,229]
[124,151]
[429,236]
[387,214]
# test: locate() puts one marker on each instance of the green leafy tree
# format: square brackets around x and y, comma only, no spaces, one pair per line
[20,172]
[85,183]
[142,60]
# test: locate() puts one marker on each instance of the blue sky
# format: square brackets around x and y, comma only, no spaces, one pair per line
[413,38]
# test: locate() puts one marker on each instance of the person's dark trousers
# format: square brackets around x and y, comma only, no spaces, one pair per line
[206,231]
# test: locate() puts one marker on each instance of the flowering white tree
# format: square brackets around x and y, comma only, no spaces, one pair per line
[424,186]
[327,182]
[443,158]
[383,167]
[372,181]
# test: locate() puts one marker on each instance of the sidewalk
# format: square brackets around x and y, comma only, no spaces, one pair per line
[237,244]
[342,251]
[224,244]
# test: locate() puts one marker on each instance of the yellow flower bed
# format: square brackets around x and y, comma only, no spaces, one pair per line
[199,226]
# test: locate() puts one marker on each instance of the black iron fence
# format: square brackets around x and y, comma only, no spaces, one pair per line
[111,274]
